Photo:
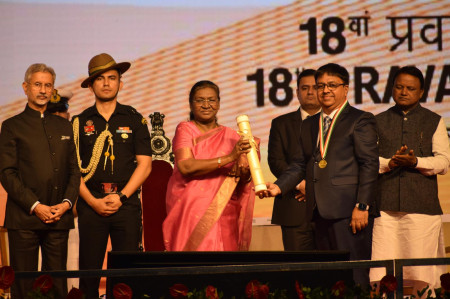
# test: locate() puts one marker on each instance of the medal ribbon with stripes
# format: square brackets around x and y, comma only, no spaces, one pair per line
[323,145]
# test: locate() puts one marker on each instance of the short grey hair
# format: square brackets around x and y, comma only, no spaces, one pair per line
[38,67]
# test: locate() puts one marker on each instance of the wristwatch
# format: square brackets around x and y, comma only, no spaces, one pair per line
[122,196]
[362,206]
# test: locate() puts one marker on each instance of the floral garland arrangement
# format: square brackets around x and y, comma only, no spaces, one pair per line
[43,289]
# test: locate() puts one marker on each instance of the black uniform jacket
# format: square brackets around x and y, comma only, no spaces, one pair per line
[37,163]
[130,137]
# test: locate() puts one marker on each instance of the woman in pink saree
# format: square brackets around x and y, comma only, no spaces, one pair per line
[209,197]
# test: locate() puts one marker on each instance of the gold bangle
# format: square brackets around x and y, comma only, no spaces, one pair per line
[219,162]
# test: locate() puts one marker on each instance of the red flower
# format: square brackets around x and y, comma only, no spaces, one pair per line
[445,281]
[6,277]
[211,293]
[299,290]
[263,291]
[178,290]
[256,290]
[339,288]
[75,294]
[388,284]
[122,291]
[252,288]
[43,283]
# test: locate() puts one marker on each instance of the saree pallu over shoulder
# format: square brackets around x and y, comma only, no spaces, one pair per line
[211,212]
[207,135]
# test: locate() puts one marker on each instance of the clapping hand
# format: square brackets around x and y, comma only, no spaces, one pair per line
[403,157]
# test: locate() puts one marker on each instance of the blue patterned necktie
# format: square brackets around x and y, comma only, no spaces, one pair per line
[326,126]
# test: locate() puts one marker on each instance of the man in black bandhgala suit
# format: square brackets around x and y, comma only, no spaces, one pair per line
[39,171]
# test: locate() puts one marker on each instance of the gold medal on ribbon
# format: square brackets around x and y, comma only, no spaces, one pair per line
[324,140]
[323,163]
[124,135]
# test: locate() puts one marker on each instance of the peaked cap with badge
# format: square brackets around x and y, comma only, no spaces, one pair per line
[102,63]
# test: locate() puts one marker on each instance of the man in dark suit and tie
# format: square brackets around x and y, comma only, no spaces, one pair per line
[290,209]
[338,158]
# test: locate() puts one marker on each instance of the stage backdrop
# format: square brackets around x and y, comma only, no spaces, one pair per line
[253,52]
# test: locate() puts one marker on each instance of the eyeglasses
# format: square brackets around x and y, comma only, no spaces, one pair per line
[210,102]
[331,86]
[38,85]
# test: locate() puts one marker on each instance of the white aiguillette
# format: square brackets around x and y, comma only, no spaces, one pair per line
[252,157]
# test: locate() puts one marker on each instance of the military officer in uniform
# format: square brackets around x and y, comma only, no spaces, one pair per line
[114,156]
[59,103]
[38,170]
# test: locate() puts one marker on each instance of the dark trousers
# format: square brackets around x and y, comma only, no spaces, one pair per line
[336,234]
[24,256]
[297,238]
[124,228]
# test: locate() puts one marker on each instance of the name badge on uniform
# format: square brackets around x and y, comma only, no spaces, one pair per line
[124,131]
[89,128]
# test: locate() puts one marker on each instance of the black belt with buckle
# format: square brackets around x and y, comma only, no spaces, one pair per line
[108,188]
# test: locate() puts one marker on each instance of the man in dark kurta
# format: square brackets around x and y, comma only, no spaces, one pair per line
[414,149]
[38,170]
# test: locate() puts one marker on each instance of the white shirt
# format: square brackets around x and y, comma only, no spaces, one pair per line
[304,114]
[331,115]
